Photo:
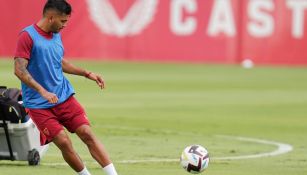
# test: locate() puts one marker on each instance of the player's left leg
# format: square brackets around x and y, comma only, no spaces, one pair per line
[73,117]
[96,148]
[63,142]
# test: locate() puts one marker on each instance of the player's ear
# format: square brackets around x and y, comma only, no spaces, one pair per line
[48,16]
[50,19]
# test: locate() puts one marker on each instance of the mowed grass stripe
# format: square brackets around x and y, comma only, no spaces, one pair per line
[205,100]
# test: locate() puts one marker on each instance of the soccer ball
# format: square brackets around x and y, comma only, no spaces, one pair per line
[194,159]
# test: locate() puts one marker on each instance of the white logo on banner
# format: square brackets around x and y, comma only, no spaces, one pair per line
[139,16]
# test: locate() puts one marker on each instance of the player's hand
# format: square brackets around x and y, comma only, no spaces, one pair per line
[51,97]
[97,78]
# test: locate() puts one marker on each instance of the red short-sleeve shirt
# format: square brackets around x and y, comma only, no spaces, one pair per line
[25,42]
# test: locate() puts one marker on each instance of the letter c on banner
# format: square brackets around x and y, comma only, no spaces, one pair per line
[139,16]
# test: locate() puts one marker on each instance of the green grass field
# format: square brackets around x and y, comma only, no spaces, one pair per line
[153,111]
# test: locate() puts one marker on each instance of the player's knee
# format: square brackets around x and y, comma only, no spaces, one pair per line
[87,136]
[64,143]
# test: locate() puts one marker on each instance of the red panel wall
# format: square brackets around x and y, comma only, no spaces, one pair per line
[220,31]
[286,42]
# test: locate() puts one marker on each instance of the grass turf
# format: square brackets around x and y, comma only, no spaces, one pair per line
[152,111]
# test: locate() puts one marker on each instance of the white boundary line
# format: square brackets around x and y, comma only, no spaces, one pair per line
[282,148]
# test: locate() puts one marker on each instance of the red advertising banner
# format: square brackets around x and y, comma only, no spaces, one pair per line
[219,31]
[274,31]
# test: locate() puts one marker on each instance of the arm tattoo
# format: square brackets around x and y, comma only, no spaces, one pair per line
[23,74]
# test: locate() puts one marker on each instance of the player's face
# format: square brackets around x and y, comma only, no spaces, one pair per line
[59,22]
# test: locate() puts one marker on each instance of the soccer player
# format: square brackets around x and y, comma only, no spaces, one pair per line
[47,95]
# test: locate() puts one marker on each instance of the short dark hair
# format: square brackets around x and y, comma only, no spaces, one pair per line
[61,6]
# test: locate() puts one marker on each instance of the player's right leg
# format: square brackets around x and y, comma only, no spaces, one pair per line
[52,131]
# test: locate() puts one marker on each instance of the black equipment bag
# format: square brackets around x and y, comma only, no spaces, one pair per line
[11,108]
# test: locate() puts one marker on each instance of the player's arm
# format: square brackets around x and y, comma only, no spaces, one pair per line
[20,70]
[72,69]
